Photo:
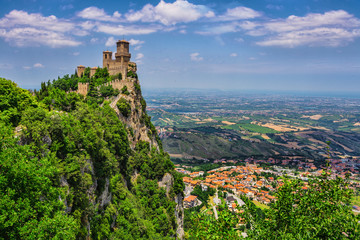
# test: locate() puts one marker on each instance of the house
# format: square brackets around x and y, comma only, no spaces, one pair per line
[191,201]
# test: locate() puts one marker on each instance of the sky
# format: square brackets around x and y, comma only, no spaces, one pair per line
[282,45]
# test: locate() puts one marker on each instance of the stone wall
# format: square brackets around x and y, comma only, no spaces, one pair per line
[83,88]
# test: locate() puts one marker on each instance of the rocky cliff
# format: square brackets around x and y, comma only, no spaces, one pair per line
[85,167]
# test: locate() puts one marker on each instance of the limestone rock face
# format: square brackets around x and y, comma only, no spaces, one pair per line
[167,182]
[179,215]
[135,121]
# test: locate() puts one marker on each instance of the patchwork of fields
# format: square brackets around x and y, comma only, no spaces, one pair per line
[233,126]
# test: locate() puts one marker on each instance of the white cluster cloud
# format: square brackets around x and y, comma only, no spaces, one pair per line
[36,65]
[98,14]
[110,42]
[26,36]
[333,28]
[170,13]
[136,43]
[24,29]
[139,57]
[196,57]
[121,30]
[51,23]
[239,13]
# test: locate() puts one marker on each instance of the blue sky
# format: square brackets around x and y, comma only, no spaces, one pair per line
[304,45]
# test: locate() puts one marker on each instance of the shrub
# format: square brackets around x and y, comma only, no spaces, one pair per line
[131,74]
[125,91]
[108,91]
[137,87]
[124,107]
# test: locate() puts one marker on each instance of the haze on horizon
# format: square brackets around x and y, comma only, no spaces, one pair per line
[283,45]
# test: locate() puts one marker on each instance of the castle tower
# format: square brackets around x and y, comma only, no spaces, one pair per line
[107,58]
[93,71]
[80,70]
[122,55]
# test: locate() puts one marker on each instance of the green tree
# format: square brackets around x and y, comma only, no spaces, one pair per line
[308,212]
[124,107]
[31,207]
[13,101]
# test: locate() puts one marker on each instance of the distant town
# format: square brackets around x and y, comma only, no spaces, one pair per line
[257,181]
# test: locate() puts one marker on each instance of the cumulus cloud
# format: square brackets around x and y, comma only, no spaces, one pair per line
[110,42]
[20,28]
[170,13]
[120,30]
[233,55]
[139,58]
[21,18]
[331,37]
[196,57]
[333,28]
[36,37]
[38,65]
[136,43]
[238,13]
[99,14]
[229,27]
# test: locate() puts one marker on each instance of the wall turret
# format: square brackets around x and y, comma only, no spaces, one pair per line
[80,70]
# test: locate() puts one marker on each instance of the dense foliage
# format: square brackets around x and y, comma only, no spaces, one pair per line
[68,171]
[308,212]
[318,210]
[124,107]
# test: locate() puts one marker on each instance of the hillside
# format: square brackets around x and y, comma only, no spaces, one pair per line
[84,167]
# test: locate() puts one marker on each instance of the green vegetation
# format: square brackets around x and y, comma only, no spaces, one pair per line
[124,107]
[299,213]
[355,200]
[108,91]
[205,226]
[69,167]
[131,74]
[137,87]
[260,205]
[203,195]
[251,127]
[125,91]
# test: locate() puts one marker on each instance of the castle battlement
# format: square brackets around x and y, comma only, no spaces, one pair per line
[121,63]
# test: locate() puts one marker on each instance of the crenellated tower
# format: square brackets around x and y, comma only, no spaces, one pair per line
[121,63]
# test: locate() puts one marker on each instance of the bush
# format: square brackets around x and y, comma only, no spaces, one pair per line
[137,87]
[124,107]
[131,74]
[108,91]
[125,91]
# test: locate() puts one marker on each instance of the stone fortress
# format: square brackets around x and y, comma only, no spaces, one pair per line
[121,63]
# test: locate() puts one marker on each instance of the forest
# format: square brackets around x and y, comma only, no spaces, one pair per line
[67,170]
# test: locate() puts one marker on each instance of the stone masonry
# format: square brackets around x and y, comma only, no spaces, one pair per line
[121,63]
